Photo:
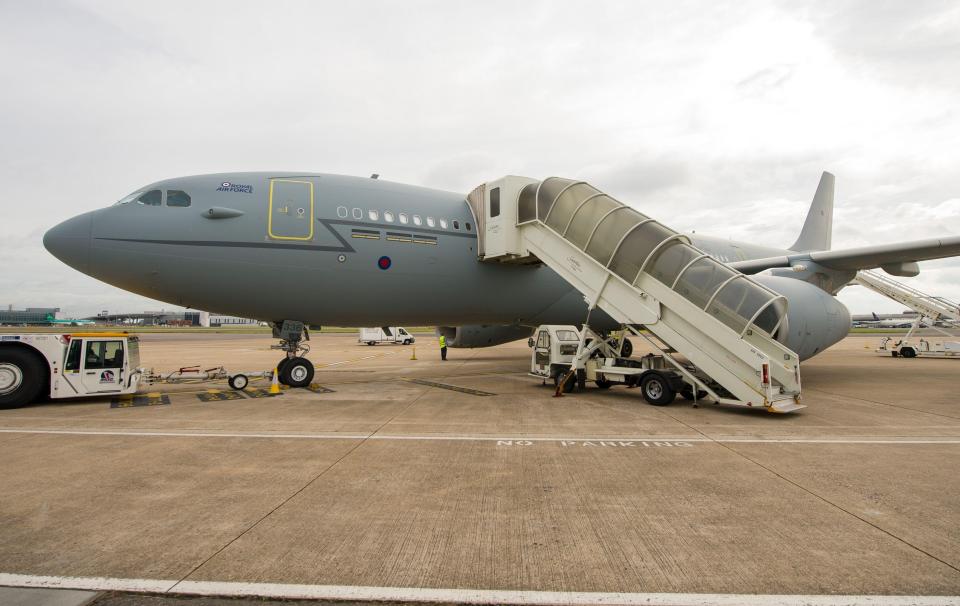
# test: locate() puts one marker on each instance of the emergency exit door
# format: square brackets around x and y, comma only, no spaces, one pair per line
[290,209]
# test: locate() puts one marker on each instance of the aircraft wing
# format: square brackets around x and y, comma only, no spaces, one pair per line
[864,257]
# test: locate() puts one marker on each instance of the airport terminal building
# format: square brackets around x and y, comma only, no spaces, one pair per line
[29,316]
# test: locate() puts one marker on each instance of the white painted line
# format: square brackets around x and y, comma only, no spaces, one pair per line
[442,438]
[88,583]
[462,596]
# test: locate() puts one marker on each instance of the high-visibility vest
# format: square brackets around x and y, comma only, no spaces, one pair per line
[443,341]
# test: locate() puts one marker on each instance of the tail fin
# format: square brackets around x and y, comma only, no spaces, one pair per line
[875,316]
[817,231]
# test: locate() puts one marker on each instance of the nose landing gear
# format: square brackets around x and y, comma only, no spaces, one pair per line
[293,369]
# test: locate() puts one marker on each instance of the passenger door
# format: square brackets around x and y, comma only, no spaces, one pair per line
[541,354]
[102,365]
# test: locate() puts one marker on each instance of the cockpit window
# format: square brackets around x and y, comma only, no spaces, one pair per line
[151,198]
[130,198]
[175,197]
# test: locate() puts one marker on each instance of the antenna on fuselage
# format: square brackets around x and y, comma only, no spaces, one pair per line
[375,176]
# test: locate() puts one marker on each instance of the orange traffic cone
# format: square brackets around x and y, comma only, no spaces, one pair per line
[275,383]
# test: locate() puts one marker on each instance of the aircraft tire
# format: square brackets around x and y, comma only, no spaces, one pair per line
[280,366]
[371,343]
[604,383]
[21,377]
[656,389]
[627,350]
[298,372]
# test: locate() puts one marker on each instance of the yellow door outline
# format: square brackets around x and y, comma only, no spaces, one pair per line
[309,236]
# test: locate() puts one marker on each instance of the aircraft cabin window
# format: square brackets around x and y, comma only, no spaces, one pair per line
[357,213]
[443,223]
[431,222]
[342,212]
[495,202]
[456,225]
[467,226]
[151,198]
[388,216]
[404,219]
[417,220]
[176,197]
[374,215]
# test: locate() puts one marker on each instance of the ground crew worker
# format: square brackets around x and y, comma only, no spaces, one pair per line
[443,348]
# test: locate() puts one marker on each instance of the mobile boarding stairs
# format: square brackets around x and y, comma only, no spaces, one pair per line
[935,309]
[651,280]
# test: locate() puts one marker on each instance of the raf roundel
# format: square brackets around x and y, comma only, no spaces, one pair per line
[384,262]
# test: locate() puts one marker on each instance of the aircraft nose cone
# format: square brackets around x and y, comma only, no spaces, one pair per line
[70,241]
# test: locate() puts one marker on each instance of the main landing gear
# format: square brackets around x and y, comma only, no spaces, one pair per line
[293,369]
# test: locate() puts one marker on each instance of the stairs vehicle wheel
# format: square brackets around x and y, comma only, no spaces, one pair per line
[656,389]
[687,392]
[298,372]
[569,385]
[908,352]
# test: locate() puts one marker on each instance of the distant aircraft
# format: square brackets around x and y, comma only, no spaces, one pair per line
[67,322]
[349,251]
[879,322]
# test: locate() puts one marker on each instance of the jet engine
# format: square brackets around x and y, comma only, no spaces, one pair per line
[483,335]
[815,319]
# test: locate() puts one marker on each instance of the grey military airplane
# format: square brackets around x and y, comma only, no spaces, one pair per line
[308,248]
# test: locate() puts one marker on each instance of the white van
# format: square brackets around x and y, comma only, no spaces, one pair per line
[385,334]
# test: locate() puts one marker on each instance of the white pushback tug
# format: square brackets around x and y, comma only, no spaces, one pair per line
[85,364]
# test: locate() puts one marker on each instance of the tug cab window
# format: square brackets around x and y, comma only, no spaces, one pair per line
[176,197]
[103,354]
[151,198]
[72,362]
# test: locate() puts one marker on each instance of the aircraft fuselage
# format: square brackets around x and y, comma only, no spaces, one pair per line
[326,249]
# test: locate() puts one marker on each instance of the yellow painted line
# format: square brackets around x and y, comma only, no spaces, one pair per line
[388,353]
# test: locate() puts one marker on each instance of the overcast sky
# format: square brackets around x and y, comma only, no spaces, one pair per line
[714,116]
